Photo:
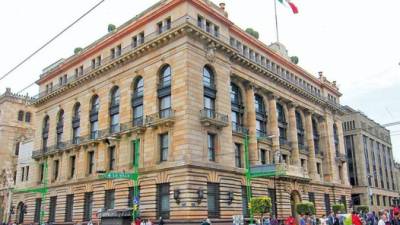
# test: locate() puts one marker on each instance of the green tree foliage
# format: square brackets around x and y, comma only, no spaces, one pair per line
[338,208]
[111,27]
[252,32]
[294,59]
[305,207]
[77,50]
[260,205]
[362,208]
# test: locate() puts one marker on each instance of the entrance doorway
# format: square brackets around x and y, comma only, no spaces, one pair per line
[20,213]
[295,198]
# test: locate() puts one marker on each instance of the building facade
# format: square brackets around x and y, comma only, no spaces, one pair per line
[372,171]
[16,125]
[191,86]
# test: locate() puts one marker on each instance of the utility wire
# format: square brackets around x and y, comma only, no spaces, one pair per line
[49,41]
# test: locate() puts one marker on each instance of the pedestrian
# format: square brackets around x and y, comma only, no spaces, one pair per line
[323,220]
[383,218]
[355,218]
[396,218]
[331,218]
[290,221]
[161,221]
[206,222]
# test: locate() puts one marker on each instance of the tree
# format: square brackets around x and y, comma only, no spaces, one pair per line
[111,27]
[253,32]
[260,205]
[294,59]
[77,50]
[305,207]
[338,208]
[362,209]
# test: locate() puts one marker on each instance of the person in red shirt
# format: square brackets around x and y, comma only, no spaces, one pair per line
[290,221]
[355,218]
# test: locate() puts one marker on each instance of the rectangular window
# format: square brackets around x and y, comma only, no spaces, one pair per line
[319,168]
[41,172]
[343,201]
[56,164]
[141,38]
[88,206]
[109,201]
[72,160]
[52,210]
[164,143]
[238,155]
[111,158]
[163,200]
[22,173]
[327,201]
[90,162]
[118,51]
[27,173]
[38,205]
[211,146]
[245,203]
[69,208]
[263,156]
[272,195]
[17,148]
[311,198]
[165,107]
[213,200]
[378,200]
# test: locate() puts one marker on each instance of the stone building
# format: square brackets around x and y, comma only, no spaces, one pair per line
[16,125]
[190,85]
[370,161]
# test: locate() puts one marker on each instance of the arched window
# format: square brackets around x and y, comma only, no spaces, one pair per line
[208,77]
[94,117]
[137,102]
[60,128]
[28,117]
[165,76]
[20,115]
[336,138]
[210,92]
[315,135]
[76,127]
[164,92]
[300,130]
[282,124]
[237,110]
[261,117]
[45,132]
[114,110]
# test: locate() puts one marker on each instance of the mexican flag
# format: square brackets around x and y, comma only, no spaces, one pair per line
[292,6]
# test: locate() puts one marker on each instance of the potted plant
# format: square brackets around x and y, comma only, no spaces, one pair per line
[338,208]
[260,206]
[305,208]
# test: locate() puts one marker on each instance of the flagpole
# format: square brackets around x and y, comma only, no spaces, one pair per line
[276,23]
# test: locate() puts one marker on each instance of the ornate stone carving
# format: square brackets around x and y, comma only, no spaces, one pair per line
[210,54]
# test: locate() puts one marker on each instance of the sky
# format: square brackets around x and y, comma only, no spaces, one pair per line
[353,42]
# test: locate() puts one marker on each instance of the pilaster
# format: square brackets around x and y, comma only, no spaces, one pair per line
[295,154]
[251,123]
[312,167]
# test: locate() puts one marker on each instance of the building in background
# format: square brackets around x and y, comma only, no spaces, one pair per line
[370,161]
[16,125]
[397,180]
[190,85]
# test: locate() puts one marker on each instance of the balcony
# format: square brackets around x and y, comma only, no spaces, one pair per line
[164,117]
[239,129]
[135,126]
[341,158]
[296,172]
[263,136]
[211,118]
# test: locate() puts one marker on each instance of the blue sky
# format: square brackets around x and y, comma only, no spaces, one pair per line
[354,42]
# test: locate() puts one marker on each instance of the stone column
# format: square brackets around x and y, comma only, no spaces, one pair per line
[295,154]
[342,150]
[273,122]
[312,167]
[330,169]
[251,124]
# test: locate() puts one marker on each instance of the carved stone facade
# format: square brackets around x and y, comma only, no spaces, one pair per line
[16,125]
[188,94]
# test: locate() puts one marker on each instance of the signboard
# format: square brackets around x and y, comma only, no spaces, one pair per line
[267,170]
[119,175]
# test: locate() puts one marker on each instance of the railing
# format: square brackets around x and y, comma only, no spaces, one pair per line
[262,135]
[159,116]
[236,128]
[211,114]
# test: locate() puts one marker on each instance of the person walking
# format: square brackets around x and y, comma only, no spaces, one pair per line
[161,221]
[383,219]
[355,218]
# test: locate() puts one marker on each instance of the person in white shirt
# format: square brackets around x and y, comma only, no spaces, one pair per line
[383,219]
